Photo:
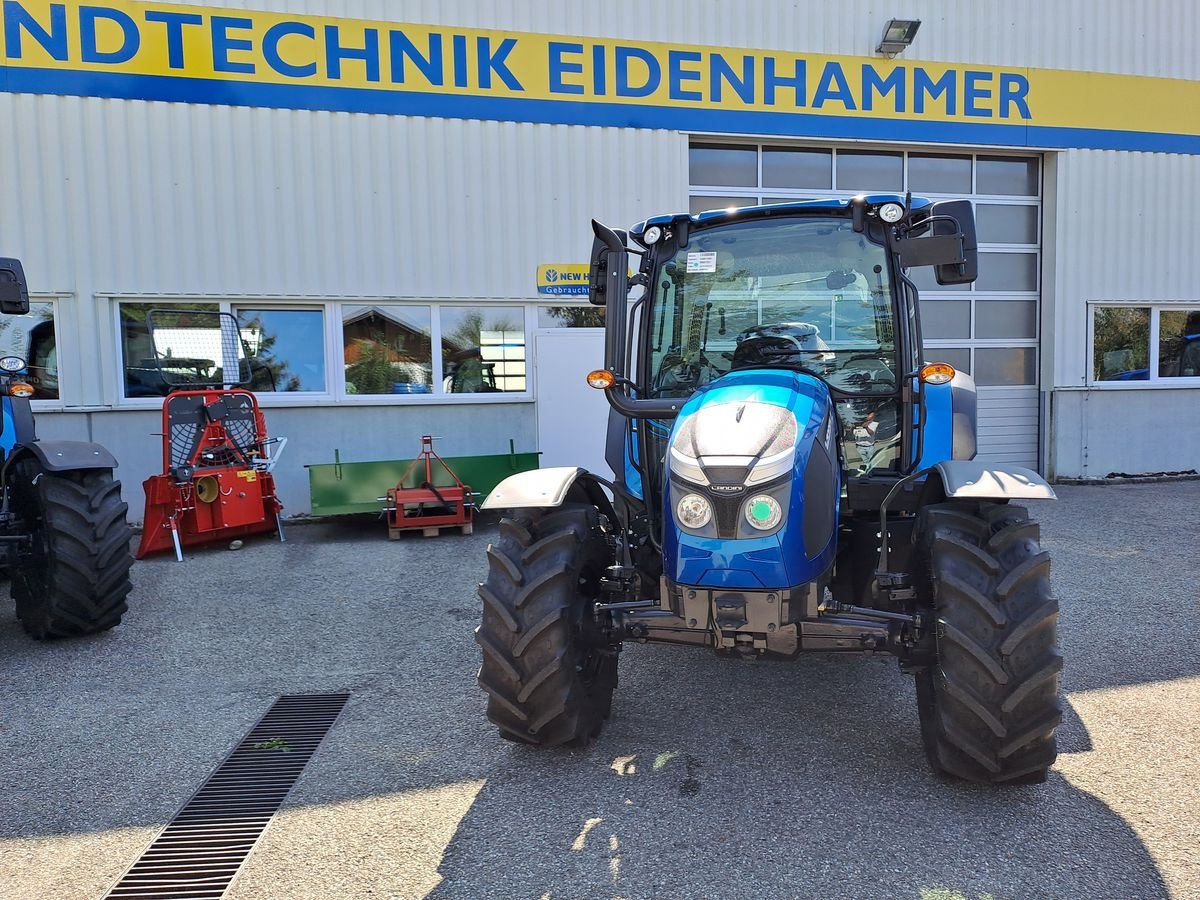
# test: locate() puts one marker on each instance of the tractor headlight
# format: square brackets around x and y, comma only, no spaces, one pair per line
[652,235]
[694,511]
[763,512]
[891,213]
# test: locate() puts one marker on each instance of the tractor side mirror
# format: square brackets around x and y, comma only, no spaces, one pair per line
[14,290]
[598,274]
[959,211]
[606,245]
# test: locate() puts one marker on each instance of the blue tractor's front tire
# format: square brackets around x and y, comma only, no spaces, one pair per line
[549,668]
[75,578]
[989,702]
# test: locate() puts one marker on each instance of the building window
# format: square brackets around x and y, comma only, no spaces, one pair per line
[387,349]
[1179,343]
[140,365]
[1146,343]
[797,169]
[870,171]
[32,338]
[483,349]
[286,348]
[724,164]
[1121,347]
[570,316]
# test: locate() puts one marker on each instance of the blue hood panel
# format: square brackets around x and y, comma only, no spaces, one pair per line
[800,550]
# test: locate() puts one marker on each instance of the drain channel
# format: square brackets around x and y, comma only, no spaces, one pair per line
[202,848]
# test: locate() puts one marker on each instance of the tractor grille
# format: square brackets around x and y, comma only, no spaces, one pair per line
[200,851]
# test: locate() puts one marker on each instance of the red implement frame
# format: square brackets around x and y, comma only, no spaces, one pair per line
[216,483]
[406,506]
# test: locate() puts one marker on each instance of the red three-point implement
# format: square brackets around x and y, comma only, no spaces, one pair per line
[217,481]
[428,505]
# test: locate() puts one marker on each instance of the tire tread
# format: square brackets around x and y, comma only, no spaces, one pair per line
[989,704]
[79,585]
[532,606]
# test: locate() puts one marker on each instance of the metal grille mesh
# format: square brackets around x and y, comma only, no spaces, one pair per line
[183,442]
[195,348]
[243,434]
[200,851]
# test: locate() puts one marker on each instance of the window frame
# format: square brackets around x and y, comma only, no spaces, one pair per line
[529,323]
[1155,381]
[57,301]
[435,370]
[335,373]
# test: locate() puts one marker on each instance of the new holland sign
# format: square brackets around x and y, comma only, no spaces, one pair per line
[563,279]
[195,54]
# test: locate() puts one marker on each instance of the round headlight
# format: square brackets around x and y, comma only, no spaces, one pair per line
[891,213]
[763,512]
[653,235]
[693,511]
[11,363]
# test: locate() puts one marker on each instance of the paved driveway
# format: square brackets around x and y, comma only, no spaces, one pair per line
[714,778]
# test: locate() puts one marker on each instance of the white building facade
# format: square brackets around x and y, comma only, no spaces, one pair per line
[374,186]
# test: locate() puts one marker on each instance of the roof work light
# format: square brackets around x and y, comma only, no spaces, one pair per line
[897,35]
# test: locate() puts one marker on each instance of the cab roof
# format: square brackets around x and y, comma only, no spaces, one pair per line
[710,216]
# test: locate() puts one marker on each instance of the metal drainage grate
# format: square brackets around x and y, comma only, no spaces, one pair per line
[202,848]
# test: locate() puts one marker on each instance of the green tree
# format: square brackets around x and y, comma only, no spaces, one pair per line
[373,371]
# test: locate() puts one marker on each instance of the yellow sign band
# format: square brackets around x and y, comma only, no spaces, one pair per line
[201,54]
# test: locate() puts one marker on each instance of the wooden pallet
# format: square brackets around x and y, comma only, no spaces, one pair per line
[394,534]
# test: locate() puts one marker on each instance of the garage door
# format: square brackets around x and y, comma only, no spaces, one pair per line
[991,328]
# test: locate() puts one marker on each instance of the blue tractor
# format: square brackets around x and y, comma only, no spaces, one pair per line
[64,538]
[789,474]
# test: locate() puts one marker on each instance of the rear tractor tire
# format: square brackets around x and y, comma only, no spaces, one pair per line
[989,703]
[549,668]
[75,578]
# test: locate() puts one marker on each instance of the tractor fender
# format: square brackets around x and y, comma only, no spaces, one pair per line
[537,488]
[62,456]
[977,480]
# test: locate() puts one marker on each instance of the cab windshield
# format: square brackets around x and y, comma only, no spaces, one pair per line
[802,293]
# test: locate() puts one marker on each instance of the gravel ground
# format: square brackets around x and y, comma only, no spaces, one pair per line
[713,779]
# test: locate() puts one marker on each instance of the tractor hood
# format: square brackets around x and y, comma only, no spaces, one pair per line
[757,448]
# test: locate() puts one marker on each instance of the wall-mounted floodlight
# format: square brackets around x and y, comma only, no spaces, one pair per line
[897,35]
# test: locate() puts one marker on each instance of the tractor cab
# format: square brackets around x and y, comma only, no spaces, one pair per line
[803,293]
[789,474]
[819,288]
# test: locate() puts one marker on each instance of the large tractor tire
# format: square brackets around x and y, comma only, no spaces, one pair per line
[549,669]
[76,577]
[989,704]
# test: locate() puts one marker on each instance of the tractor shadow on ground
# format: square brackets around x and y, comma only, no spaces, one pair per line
[728,779]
